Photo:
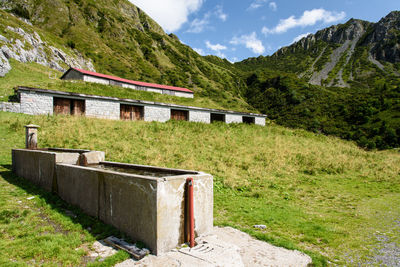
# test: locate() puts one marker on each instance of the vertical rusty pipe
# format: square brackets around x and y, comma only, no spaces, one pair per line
[191,211]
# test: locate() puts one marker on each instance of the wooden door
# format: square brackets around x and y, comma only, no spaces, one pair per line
[131,112]
[62,106]
[125,112]
[137,113]
[179,115]
[78,107]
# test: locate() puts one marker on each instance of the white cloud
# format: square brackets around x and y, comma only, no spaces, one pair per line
[250,41]
[199,51]
[199,25]
[301,36]
[309,18]
[273,6]
[170,14]
[216,47]
[257,4]
[220,13]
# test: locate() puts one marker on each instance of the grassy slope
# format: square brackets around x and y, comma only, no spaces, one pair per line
[315,193]
[35,75]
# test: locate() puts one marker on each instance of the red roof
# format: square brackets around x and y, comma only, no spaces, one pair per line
[153,85]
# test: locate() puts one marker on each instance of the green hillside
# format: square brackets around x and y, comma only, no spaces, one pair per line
[318,194]
[339,81]
[370,116]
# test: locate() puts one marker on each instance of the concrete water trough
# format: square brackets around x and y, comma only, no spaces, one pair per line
[147,203]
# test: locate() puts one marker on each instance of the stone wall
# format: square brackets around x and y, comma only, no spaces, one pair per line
[183,94]
[154,90]
[41,102]
[154,113]
[233,118]
[10,107]
[130,86]
[260,121]
[104,109]
[36,103]
[92,79]
[199,116]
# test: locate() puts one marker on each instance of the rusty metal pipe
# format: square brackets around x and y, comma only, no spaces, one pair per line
[191,211]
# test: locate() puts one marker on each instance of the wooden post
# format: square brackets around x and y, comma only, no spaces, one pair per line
[31,136]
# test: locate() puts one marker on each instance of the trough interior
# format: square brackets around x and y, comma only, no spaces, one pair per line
[140,170]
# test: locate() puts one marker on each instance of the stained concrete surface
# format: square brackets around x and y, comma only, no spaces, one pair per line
[225,247]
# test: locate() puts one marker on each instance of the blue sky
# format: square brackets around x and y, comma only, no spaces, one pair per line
[236,30]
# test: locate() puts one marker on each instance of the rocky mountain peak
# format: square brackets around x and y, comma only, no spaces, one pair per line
[341,33]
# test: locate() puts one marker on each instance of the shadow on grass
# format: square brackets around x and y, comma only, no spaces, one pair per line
[94,227]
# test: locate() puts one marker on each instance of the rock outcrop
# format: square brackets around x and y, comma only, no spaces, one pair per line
[381,41]
[29,47]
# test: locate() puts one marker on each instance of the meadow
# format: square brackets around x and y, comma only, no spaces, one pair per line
[315,193]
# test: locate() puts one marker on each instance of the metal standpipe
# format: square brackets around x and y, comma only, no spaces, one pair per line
[190,202]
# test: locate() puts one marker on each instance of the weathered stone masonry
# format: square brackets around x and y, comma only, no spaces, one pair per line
[33,103]
[36,101]
[102,109]
[10,107]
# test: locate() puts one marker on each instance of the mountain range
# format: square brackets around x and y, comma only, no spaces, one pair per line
[342,80]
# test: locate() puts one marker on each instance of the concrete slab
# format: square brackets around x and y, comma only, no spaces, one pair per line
[92,157]
[225,247]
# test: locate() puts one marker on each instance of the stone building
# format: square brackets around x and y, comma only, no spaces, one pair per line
[89,76]
[37,101]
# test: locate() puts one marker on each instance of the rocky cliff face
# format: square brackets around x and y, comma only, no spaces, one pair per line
[27,46]
[357,52]
[384,38]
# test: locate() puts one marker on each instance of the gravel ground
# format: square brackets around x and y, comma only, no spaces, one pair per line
[386,252]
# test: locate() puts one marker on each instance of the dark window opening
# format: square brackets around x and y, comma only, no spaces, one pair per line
[66,106]
[168,92]
[249,120]
[131,112]
[217,117]
[115,83]
[179,115]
